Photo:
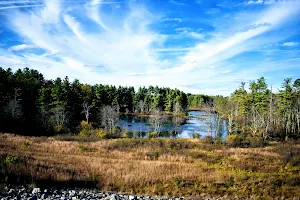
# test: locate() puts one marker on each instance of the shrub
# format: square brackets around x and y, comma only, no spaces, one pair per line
[295,160]
[234,140]
[207,139]
[127,134]
[152,135]
[196,135]
[101,133]
[177,181]
[86,129]
[153,155]
[83,148]
[136,134]
[12,160]
[256,141]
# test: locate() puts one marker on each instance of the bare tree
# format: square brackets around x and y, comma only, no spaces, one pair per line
[109,117]
[231,109]
[176,118]
[257,120]
[209,119]
[87,110]
[217,125]
[13,108]
[157,120]
[59,116]
[141,106]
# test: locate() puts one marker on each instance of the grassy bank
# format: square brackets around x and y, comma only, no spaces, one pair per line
[161,167]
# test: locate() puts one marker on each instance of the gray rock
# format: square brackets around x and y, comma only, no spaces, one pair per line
[36,190]
[131,197]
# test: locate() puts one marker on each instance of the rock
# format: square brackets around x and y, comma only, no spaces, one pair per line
[36,190]
[131,197]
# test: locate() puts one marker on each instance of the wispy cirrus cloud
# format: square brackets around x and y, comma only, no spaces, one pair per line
[129,45]
[290,44]
[177,2]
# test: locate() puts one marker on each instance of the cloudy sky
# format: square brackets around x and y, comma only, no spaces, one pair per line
[198,46]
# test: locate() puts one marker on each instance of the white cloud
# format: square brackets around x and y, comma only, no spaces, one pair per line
[20,47]
[93,11]
[290,44]
[19,6]
[268,2]
[177,3]
[217,49]
[130,52]
[188,32]
[172,19]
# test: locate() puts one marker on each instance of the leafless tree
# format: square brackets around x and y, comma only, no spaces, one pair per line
[157,120]
[109,117]
[141,106]
[13,108]
[59,116]
[231,114]
[87,110]
[217,124]
[209,119]
[257,120]
[176,118]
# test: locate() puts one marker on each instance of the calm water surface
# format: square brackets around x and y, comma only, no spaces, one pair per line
[196,122]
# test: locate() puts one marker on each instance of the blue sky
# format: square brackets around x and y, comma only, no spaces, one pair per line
[198,46]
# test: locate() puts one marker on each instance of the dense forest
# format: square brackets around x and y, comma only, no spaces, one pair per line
[32,105]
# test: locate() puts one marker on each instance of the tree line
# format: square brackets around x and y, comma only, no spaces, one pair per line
[259,112]
[31,104]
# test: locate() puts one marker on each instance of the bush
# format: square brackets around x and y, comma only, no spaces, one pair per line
[86,129]
[152,135]
[177,181]
[127,134]
[83,148]
[234,140]
[256,141]
[136,134]
[196,135]
[207,139]
[101,133]
[12,160]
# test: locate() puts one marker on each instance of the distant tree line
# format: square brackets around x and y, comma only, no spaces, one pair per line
[31,104]
[259,112]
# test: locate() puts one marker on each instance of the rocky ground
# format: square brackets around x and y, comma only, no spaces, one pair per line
[19,193]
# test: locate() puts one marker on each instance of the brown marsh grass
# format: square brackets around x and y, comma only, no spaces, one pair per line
[159,167]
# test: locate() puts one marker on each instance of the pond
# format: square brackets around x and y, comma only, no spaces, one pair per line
[196,122]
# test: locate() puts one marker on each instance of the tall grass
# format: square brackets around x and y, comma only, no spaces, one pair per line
[162,167]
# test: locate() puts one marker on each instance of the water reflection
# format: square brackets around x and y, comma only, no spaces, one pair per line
[195,123]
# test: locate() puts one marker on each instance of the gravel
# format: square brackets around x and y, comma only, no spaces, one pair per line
[19,193]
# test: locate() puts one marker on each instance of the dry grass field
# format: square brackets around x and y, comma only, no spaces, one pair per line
[158,167]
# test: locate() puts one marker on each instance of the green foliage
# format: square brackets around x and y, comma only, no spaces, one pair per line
[83,148]
[86,129]
[177,181]
[29,104]
[196,135]
[152,135]
[10,159]
[127,134]
[234,140]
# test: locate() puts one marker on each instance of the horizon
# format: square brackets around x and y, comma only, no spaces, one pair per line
[199,47]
